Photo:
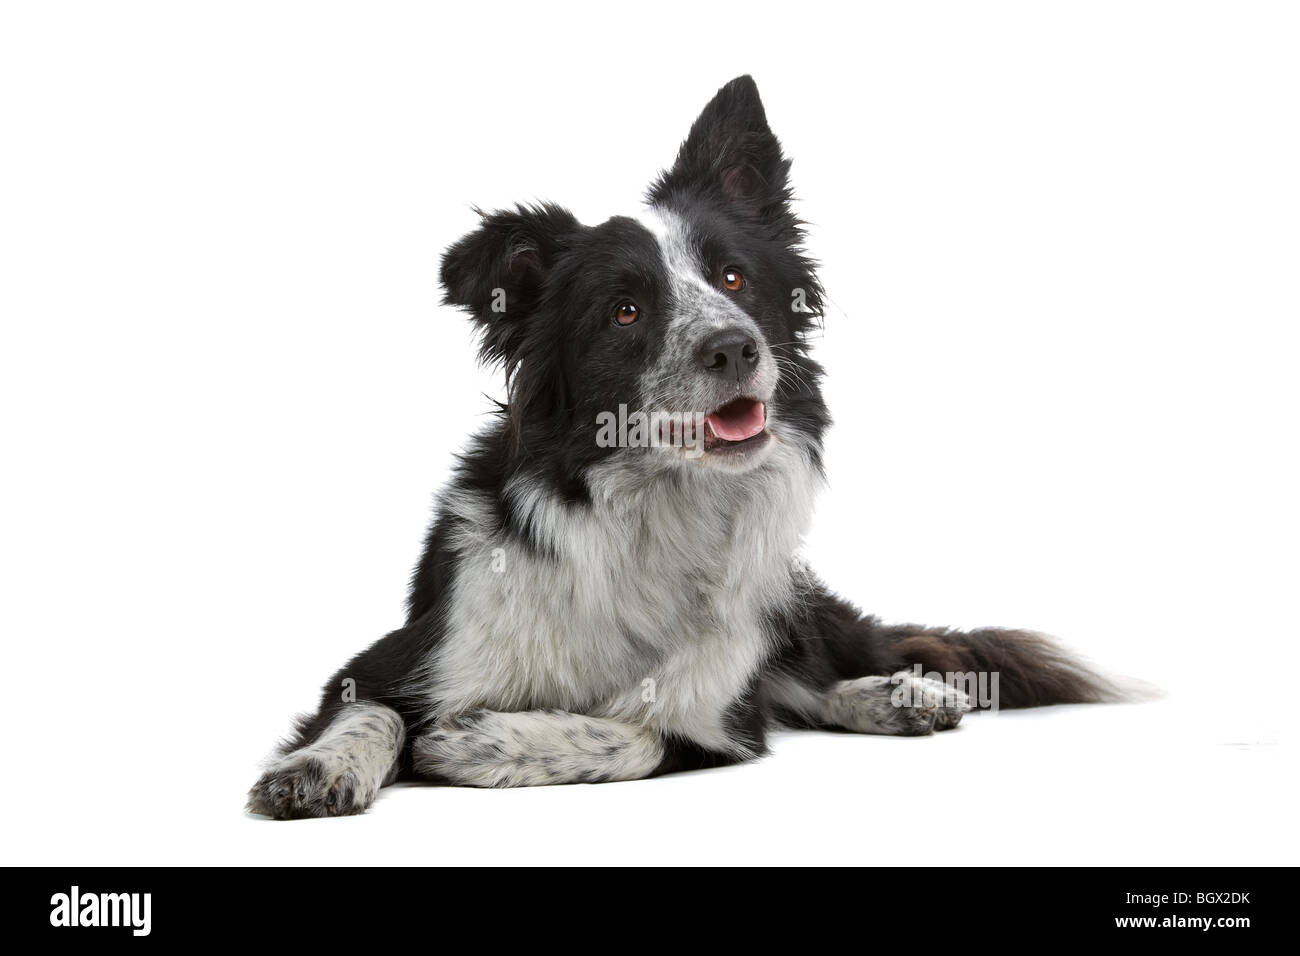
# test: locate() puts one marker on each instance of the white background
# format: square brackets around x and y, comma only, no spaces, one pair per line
[1061,242]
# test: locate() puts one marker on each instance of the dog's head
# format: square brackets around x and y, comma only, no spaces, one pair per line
[676,335]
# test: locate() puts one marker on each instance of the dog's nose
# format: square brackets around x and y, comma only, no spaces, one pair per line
[731,352]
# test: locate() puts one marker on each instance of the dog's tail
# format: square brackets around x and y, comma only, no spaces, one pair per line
[1032,669]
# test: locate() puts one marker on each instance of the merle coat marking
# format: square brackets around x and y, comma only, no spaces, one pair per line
[585,613]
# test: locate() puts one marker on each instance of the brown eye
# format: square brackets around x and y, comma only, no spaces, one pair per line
[732,280]
[625,313]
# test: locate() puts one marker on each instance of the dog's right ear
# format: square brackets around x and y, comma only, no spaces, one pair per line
[498,273]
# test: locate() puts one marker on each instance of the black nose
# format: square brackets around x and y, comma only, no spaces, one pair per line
[731,352]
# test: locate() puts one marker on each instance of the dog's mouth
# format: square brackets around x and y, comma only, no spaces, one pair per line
[741,422]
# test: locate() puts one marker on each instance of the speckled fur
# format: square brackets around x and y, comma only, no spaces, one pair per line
[337,774]
[533,748]
[901,705]
[585,612]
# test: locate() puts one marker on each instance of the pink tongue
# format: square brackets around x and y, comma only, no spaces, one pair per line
[741,419]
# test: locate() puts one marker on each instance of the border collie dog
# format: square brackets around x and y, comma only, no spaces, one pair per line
[611,588]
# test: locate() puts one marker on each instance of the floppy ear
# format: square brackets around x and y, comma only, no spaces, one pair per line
[731,154]
[498,273]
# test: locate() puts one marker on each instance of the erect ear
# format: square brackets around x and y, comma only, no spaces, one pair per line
[498,272]
[731,153]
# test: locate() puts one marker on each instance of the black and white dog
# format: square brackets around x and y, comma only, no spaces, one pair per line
[605,603]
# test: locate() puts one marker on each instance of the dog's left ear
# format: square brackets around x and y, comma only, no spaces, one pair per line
[731,154]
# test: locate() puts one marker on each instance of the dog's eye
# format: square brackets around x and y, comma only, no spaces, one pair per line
[625,313]
[732,280]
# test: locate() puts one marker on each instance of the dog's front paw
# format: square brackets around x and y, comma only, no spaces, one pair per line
[304,785]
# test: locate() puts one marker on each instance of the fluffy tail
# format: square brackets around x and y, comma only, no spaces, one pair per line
[1033,670]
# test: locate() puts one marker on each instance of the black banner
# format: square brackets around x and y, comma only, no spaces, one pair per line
[900,905]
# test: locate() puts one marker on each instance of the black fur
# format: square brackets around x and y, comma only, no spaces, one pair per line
[565,364]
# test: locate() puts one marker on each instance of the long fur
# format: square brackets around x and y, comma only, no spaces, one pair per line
[586,612]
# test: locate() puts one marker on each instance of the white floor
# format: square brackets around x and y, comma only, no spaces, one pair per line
[1161,783]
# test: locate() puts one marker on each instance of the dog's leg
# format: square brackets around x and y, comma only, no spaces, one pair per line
[534,748]
[834,666]
[339,772]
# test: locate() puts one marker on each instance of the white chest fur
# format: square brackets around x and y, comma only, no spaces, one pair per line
[649,607]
